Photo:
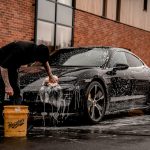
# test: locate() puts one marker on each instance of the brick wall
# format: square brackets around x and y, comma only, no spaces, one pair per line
[94,30]
[16,20]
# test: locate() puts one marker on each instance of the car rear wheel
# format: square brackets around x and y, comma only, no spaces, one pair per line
[95,103]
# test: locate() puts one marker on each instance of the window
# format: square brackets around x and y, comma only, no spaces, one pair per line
[63,36]
[64,15]
[104,14]
[145,5]
[118,58]
[133,61]
[45,34]
[54,23]
[80,57]
[46,10]
[118,8]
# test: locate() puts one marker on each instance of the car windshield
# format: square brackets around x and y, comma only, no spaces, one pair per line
[95,57]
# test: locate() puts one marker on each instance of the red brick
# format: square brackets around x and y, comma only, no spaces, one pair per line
[16,20]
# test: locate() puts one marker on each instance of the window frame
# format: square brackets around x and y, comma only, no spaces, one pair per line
[104,11]
[55,21]
[145,4]
[118,10]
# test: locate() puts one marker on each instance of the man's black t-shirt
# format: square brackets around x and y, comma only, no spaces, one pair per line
[18,53]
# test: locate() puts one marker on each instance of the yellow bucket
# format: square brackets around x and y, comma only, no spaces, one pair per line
[15,120]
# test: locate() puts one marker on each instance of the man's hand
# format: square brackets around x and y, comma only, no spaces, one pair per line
[9,91]
[52,78]
[51,81]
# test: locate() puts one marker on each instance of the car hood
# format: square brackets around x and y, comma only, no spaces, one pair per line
[32,79]
[69,71]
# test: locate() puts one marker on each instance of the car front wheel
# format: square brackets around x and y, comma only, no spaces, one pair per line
[95,103]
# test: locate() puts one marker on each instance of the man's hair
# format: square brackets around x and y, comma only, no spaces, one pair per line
[42,53]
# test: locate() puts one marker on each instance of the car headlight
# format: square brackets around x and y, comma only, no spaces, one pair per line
[67,79]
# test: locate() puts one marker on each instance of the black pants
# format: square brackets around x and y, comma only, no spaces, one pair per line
[14,82]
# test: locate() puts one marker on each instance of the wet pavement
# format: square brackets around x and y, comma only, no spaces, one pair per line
[125,131]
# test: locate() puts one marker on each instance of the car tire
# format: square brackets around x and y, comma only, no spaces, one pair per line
[95,103]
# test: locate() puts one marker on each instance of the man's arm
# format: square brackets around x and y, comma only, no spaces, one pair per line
[52,78]
[8,89]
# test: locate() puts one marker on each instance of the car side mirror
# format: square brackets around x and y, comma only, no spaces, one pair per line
[120,67]
[117,67]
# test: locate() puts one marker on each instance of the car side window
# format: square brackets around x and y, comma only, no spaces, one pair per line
[117,58]
[133,61]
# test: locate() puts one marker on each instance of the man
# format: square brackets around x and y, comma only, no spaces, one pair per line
[12,56]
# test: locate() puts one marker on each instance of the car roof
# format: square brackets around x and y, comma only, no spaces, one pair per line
[85,47]
[107,47]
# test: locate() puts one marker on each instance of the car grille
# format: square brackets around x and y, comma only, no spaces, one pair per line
[70,96]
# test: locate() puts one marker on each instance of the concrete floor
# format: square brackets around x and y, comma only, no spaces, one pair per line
[114,133]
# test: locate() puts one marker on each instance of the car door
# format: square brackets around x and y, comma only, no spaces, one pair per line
[140,75]
[120,83]
[120,80]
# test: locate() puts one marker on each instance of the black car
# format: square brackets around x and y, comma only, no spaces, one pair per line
[93,81]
